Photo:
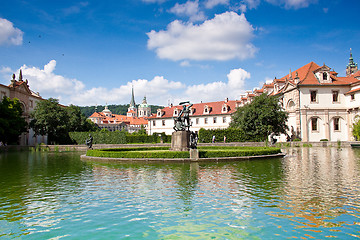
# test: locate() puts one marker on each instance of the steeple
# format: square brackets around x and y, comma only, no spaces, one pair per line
[352,67]
[132,102]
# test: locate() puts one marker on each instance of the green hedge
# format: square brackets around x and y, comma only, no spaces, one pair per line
[117,137]
[205,152]
[163,152]
[138,153]
[232,135]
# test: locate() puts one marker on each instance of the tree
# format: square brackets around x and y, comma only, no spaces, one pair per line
[260,118]
[77,120]
[356,130]
[12,124]
[50,118]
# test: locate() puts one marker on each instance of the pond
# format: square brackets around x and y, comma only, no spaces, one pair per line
[310,193]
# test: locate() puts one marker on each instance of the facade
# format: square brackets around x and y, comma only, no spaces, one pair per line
[210,115]
[20,89]
[134,120]
[321,105]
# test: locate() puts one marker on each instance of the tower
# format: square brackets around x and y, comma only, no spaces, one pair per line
[144,109]
[132,110]
[352,67]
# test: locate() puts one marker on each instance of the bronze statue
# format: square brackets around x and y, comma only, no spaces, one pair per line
[182,122]
[89,141]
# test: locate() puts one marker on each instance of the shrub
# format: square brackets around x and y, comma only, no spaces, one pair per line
[232,135]
[324,140]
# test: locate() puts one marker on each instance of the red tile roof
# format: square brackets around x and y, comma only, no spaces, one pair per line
[215,108]
[116,119]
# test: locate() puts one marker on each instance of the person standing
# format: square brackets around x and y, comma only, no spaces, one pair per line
[224,139]
[213,139]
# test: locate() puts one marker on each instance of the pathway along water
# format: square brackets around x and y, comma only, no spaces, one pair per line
[311,193]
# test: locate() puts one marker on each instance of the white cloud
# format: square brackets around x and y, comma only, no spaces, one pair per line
[9,35]
[226,36]
[189,9]
[213,3]
[295,4]
[48,83]
[251,4]
[185,64]
[217,91]
[158,91]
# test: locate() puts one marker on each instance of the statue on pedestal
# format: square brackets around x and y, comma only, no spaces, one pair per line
[182,122]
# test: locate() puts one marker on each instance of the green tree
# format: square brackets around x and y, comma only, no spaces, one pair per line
[260,118]
[77,120]
[50,118]
[12,124]
[356,130]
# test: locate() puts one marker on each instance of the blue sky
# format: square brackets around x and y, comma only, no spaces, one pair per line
[93,52]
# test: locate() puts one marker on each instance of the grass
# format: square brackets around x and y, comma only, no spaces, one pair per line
[164,152]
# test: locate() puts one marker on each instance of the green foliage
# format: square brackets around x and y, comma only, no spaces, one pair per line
[232,135]
[77,121]
[356,130]
[117,137]
[163,152]
[260,118]
[156,152]
[56,121]
[324,140]
[12,124]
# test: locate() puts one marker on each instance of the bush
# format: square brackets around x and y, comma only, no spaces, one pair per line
[163,152]
[324,140]
[117,137]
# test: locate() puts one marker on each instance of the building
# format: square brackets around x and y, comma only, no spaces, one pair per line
[134,120]
[20,89]
[210,115]
[321,104]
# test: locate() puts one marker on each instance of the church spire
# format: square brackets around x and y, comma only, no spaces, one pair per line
[132,102]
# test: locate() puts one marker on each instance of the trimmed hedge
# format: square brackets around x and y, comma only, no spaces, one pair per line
[163,152]
[232,135]
[117,137]
[138,153]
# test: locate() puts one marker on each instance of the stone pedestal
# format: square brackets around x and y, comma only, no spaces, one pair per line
[180,141]
[194,154]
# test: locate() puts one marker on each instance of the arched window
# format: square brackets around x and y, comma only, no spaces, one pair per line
[291,105]
[336,123]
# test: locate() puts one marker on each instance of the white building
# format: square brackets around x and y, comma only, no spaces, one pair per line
[321,105]
[211,115]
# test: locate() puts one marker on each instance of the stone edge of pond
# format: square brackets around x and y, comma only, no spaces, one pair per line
[218,159]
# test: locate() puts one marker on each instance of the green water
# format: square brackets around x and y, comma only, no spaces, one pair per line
[312,193]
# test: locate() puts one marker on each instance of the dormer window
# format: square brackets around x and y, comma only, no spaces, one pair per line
[159,113]
[224,108]
[325,76]
[206,109]
[176,112]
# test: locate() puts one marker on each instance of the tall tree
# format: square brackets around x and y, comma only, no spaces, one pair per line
[78,121]
[260,118]
[12,124]
[50,118]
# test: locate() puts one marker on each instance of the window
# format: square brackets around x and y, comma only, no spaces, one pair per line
[224,119]
[313,96]
[154,124]
[31,103]
[314,124]
[352,96]
[335,96]
[197,120]
[163,122]
[337,124]
[215,119]
[205,120]
[325,76]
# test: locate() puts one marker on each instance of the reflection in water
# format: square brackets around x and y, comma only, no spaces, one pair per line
[321,190]
[311,193]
